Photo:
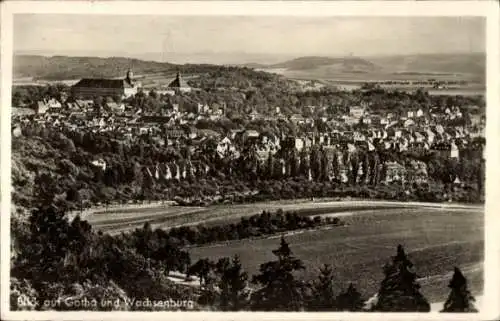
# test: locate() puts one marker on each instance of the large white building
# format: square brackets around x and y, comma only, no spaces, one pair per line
[89,88]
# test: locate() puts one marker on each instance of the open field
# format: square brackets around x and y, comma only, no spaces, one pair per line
[436,236]
[436,240]
[464,90]
[116,220]
[370,76]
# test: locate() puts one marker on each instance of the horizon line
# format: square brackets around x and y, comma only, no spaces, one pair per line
[108,55]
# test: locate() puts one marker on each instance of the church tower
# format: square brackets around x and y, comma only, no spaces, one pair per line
[179,84]
[130,77]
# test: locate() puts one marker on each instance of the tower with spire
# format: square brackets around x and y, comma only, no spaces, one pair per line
[129,78]
[179,84]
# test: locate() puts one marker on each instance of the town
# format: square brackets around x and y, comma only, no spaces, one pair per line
[355,142]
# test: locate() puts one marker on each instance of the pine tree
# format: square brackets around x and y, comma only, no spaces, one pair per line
[336,166]
[350,300]
[232,285]
[399,291]
[202,269]
[280,291]
[323,296]
[354,165]
[315,162]
[294,166]
[374,176]
[365,168]
[460,299]
[325,165]
[270,166]
[304,164]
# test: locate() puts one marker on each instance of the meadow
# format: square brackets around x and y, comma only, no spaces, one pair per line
[435,239]
[121,219]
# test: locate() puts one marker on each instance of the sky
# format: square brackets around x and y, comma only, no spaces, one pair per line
[164,37]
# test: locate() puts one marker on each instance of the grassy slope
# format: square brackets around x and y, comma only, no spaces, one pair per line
[435,239]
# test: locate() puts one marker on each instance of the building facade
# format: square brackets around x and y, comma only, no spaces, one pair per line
[89,88]
[178,84]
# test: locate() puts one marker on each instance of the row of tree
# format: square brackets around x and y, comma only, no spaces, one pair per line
[254,226]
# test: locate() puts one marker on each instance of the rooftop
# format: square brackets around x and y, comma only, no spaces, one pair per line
[102,83]
[178,82]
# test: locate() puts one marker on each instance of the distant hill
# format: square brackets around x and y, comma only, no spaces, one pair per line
[63,67]
[472,64]
[254,65]
[70,65]
[314,62]
[39,69]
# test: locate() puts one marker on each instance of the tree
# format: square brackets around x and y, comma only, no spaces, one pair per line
[73,195]
[98,103]
[42,258]
[323,297]
[365,168]
[144,240]
[399,291]
[350,300]
[460,299]
[294,163]
[153,94]
[354,164]
[67,145]
[315,162]
[232,284]
[138,175]
[481,176]
[45,188]
[335,166]
[280,291]
[270,166]
[201,269]
[374,169]
[304,164]
[17,98]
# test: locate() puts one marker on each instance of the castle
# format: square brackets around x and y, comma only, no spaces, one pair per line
[88,88]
